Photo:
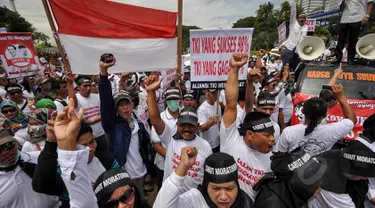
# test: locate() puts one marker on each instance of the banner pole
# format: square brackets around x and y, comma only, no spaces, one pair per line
[179,39]
[54,30]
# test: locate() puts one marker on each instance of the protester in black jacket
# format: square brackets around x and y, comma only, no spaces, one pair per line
[52,184]
[296,179]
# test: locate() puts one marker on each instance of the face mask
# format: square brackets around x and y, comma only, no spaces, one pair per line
[15,161]
[37,131]
[173,105]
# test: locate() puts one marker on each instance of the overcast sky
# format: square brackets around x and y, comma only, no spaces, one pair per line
[202,13]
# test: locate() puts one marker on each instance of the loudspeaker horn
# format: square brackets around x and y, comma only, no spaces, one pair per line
[366,47]
[311,48]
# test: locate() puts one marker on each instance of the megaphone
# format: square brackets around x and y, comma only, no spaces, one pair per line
[366,47]
[310,48]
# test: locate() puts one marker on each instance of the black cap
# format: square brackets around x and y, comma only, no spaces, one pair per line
[188,115]
[172,93]
[108,182]
[82,79]
[189,95]
[220,168]
[257,122]
[13,87]
[358,159]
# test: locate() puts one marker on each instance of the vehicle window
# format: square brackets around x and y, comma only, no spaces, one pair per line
[356,85]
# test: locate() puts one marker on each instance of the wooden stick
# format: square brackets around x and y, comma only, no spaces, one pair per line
[54,30]
[179,39]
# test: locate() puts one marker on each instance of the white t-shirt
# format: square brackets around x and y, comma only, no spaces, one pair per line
[59,106]
[21,136]
[134,165]
[320,140]
[257,86]
[287,107]
[222,97]
[91,105]
[272,67]
[28,95]
[195,174]
[171,122]
[3,93]
[26,110]
[95,169]
[279,99]
[241,113]
[251,163]
[30,147]
[142,106]
[327,199]
[205,112]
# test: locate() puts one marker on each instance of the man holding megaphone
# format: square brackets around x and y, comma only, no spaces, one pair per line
[354,15]
[297,32]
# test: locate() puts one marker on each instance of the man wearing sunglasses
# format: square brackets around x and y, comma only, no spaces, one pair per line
[16,169]
[15,94]
[297,32]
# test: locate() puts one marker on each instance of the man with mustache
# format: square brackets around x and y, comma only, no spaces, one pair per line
[187,127]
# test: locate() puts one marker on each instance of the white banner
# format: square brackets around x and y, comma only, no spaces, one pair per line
[282,32]
[310,23]
[210,52]
[168,76]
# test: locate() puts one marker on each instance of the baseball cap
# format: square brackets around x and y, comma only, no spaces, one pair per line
[172,93]
[108,182]
[257,122]
[188,115]
[13,87]
[5,136]
[189,95]
[122,95]
[82,79]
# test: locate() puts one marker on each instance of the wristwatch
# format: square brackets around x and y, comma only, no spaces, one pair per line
[368,16]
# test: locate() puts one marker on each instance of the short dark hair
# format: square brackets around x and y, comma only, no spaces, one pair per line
[85,128]
[327,95]
[21,46]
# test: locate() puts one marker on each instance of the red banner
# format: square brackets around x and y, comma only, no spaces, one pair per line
[18,54]
[363,109]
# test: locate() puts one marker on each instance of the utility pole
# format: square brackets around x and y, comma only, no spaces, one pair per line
[12,5]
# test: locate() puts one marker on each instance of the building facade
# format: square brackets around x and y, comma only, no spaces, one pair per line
[310,6]
[332,5]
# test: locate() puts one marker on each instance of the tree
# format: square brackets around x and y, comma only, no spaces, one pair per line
[186,36]
[14,22]
[245,22]
[322,32]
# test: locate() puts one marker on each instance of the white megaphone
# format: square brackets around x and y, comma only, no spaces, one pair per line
[310,48]
[366,47]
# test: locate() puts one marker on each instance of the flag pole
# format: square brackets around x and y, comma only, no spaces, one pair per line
[179,39]
[54,30]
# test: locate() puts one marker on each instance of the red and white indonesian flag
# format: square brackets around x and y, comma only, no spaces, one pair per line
[141,39]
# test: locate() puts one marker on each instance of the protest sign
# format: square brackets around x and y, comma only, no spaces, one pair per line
[362,108]
[18,54]
[210,55]
[310,23]
[168,76]
[282,32]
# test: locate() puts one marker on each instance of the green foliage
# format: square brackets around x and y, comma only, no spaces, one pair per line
[186,36]
[245,22]
[322,32]
[14,22]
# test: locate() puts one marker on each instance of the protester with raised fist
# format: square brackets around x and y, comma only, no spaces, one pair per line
[186,135]
[251,145]
[314,137]
[220,186]
[128,139]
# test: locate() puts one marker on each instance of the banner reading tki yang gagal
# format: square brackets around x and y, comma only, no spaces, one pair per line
[210,52]
[18,54]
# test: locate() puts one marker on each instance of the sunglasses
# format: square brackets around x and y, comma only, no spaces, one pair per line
[15,92]
[7,146]
[125,198]
[11,110]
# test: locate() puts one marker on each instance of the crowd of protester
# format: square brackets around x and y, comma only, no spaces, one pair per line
[108,140]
